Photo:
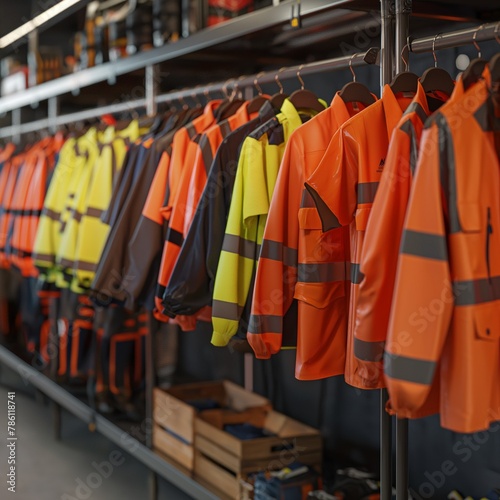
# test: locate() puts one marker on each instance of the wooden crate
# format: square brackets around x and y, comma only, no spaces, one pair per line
[225,461]
[173,431]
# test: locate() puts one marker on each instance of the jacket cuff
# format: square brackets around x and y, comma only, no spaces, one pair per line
[220,339]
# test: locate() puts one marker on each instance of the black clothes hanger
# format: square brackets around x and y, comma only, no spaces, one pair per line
[406,81]
[473,73]
[305,99]
[278,99]
[356,92]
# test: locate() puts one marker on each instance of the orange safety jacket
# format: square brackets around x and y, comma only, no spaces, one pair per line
[447,293]
[190,189]
[298,261]
[344,186]
[382,239]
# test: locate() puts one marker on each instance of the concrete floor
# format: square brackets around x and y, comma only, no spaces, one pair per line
[48,469]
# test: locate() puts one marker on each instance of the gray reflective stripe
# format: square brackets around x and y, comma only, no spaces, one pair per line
[321,273]
[448,171]
[265,324]
[356,274]
[367,191]
[191,131]
[94,212]
[369,351]
[51,214]
[225,128]
[206,151]
[240,246]
[418,371]
[307,200]
[226,310]
[44,257]
[76,214]
[429,246]
[274,250]
[86,266]
[66,263]
[476,291]
[417,108]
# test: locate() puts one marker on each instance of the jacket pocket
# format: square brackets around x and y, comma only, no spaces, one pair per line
[309,219]
[319,295]
[486,320]
[361,217]
[471,216]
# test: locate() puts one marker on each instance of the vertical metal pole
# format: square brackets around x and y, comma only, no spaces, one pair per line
[16,122]
[387,36]
[402,459]
[403,12]
[52,112]
[248,93]
[150,383]
[387,10]
[152,85]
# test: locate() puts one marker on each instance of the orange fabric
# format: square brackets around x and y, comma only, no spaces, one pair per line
[382,239]
[305,256]
[344,185]
[444,320]
[190,188]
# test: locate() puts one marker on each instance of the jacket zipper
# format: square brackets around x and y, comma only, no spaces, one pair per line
[489,231]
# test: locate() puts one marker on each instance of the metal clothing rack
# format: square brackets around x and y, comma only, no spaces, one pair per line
[152,99]
[395,42]
[63,399]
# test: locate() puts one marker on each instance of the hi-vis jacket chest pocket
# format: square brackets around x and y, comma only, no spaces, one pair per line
[486,320]
[472,216]
[319,295]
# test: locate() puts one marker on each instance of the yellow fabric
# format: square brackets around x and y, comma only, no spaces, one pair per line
[48,236]
[256,176]
[92,232]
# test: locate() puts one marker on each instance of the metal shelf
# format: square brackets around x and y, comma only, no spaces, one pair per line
[237,28]
[102,425]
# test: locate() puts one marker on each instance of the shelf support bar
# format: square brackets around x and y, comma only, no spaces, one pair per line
[387,70]
[152,86]
[403,12]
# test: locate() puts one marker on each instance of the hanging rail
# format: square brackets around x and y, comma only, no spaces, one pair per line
[484,32]
[368,57]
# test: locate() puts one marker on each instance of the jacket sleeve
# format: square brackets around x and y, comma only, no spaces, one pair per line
[175,233]
[146,244]
[239,251]
[191,283]
[333,184]
[416,335]
[379,259]
[277,267]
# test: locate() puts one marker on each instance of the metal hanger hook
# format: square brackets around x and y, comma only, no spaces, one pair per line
[478,48]
[302,84]
[497,27]
[350,67]
[405,60]
[277,80]
[224,87]
[256,82]
[194,96]
[434,50]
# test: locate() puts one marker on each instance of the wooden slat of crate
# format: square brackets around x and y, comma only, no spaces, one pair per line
[174,414]
[214,474]
[173,447]
[293,437]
